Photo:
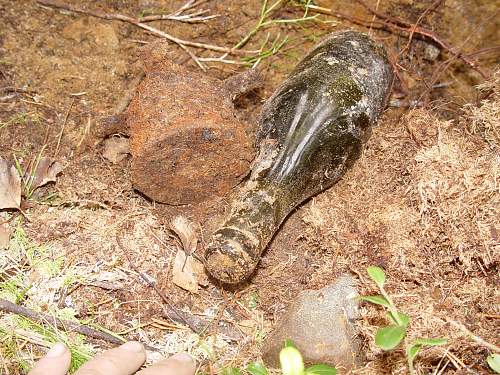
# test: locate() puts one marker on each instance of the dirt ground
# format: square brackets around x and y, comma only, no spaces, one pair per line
[422,202]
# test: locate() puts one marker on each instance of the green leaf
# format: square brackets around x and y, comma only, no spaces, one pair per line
[403,318]
[415,347]
[256,368]
[291,361]
[494,362]
[430,342]
[231,371]
[412,351]
[389,337]
[321,369]
[379,300]
[376,274]
[289,342]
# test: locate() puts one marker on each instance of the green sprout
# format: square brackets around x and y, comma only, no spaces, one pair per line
[494,362]
[291,364]
[265,21]
[391,336]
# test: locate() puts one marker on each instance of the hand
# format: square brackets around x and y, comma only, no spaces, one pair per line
[124,360]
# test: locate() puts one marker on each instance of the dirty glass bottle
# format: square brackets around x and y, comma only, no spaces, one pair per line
[311,131]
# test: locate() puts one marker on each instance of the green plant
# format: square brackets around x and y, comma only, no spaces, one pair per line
[494,362]
[291,364]
[265,21]
[19,336]
[27,176]
[391,336]
[22,118]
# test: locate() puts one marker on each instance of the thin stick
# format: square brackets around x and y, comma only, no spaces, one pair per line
[65,325]
[472,336]
[433,7]
[155,287]
[62,128]
[392,25]
[408,27]
[134,21]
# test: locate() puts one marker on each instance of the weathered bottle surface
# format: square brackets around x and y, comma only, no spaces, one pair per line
[311,131]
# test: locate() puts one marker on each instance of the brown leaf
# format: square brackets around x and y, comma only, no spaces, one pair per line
[188,272]
[46,171]
[10,186]
[116,149]
[184,229]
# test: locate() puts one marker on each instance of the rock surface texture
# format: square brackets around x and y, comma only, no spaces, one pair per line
[321,324]
[185,139]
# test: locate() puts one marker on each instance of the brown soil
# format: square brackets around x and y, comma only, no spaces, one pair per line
[422,202]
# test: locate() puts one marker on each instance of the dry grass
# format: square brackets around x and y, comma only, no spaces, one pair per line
[484,119]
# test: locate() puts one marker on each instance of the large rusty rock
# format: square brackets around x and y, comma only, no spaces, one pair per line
[186,141]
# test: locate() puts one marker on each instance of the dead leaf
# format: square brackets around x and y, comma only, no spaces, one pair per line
[188,273]
[184,229]
[10,186]
[116,149]
[46,171]
[4,236]
[250,326]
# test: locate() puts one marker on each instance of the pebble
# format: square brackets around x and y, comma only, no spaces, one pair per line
[321,324]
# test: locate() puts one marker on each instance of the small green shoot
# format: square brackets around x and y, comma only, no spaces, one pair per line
[257,368]
[391,336]
[21,118]
[494,362]
[292,363]
[265,21]
[28,175]
[414,348]
[231,371]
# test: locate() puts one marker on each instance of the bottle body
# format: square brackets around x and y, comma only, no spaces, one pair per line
[311,131]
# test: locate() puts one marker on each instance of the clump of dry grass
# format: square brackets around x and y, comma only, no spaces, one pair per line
[423,203]
[484,119]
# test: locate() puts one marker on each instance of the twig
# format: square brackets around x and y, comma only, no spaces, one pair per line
[203,324]
[156,289]
[433,7]
[198,16]
[409,27]
[135,21]
[484,50]
[62,128]
[472,336]
[392,25]
[65,325]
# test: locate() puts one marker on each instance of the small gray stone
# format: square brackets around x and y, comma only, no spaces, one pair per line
[321,324]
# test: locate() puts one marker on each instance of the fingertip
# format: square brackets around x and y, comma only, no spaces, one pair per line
[56,362]
[57,350]
[133,346]
[183,357]
[178,364]
[124,359]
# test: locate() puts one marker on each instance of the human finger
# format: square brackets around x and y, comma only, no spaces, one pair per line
[179,364]
[55,362]
[124,360]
